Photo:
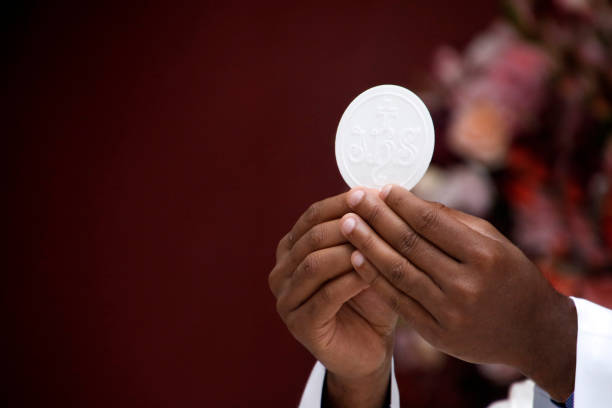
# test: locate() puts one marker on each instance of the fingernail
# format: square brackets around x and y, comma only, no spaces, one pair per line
[385,191]
[358,259]
[355,198]
[348,225]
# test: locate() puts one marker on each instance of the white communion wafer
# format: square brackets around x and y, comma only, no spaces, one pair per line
[385,136]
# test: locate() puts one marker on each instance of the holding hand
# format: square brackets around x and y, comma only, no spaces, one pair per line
[330,309]
[467,289]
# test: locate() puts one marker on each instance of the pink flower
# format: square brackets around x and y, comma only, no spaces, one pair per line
[520,75]
[591,52]
[447,66]
[480,131]
[501,93]
[488,45]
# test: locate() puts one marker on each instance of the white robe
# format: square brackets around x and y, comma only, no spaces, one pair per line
[592,387]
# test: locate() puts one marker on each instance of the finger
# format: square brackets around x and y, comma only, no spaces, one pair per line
[399,271]
[431,221]
[378,310]
[400,235]
[321,211]
[411,309]
[320,236]
[325,303]
[310,275]
[283,247]
[324,235]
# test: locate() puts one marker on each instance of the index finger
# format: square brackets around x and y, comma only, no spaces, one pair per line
[321,211]
[433,222]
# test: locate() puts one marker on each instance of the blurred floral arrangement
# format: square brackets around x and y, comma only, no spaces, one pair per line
[527,136]
[524,139]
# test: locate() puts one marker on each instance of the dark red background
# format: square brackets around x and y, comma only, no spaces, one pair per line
[159,152]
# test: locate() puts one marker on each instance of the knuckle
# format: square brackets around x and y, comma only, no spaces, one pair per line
[470,295]
[484,225]
[281,242]
[430,215]
[408,241]
[374,280]
[472,289]
[395,200]
[438,206]
[488,255]
[272,279]
[290,238]
[368,243]
[374,213]
[293,259]
[316,236]
[478,252]
[310,265]
[313,213]
[397,273]
[276,279]
[282,245]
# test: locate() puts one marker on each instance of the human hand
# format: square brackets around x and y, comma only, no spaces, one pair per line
[466,288]
[331,310]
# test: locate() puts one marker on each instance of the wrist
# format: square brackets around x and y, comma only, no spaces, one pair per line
[358,391]
[551,360]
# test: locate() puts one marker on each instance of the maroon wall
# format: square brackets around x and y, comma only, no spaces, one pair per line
[158,155]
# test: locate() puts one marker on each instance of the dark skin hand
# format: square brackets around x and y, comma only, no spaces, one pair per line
[466,288]
[331,310]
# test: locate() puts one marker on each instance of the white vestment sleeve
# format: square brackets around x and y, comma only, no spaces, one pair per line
[593,386]
[311,398]
[525,394]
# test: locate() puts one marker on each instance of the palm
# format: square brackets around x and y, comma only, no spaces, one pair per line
[360,337]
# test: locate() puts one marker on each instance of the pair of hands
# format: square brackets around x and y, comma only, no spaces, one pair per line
[354,261]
